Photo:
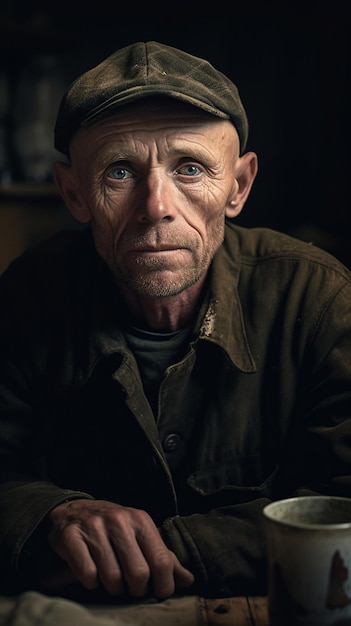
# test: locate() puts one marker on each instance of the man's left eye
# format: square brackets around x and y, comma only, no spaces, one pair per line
[189,170]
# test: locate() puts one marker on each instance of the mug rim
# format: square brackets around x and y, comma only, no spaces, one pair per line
[269,513]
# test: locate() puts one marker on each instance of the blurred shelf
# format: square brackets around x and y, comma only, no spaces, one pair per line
[28,191]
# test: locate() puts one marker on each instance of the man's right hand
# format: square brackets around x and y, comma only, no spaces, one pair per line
[115,546]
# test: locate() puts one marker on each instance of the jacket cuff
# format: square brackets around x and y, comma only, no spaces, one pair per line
[178,539]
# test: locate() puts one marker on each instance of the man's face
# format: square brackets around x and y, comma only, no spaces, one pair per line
[155,183]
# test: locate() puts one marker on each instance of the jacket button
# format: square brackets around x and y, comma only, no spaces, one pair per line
[171,442]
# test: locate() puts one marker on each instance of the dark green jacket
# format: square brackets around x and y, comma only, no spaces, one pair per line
[258,407]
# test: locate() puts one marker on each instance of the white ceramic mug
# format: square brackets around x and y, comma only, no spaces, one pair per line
[309,561]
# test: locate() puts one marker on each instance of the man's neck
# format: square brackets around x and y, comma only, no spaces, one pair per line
[165,314]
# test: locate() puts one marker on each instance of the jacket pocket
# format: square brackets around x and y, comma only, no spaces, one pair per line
[236,480]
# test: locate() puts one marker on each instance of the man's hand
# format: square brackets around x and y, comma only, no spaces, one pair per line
[116,546]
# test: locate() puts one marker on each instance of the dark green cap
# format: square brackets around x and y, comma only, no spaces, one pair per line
[147,69]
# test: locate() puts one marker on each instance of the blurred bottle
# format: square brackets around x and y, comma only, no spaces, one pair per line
[37,96]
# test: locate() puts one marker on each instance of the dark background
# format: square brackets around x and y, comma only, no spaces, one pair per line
[290,60]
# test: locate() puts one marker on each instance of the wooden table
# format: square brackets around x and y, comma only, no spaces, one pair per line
[235,612]
[183,611]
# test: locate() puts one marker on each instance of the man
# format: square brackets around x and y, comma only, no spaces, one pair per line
[164,373]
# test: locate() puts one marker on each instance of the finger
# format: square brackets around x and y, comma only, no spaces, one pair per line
[72,548]
[162,572]
[160,559]
[106,561]
[183,577]
[166,570]
[135,569]
[167,573]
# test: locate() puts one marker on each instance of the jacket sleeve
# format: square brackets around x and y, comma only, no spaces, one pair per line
[225,548]
[23,507]
[25,499]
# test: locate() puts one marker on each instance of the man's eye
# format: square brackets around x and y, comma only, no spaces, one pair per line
[119,173]
[189,170]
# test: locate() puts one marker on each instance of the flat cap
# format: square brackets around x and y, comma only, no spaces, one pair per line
[147,69]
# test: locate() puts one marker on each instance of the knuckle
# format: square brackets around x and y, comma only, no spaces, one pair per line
[141,516]
[89,578]
[94,523]
[113,582]
[138,580]
[163,562]
[141,573]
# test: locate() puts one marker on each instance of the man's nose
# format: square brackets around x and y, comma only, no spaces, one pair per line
[155,203]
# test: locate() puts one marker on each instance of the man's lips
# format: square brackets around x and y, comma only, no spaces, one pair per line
[156,249]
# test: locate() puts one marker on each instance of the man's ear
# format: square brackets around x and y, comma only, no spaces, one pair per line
[67,187]
[246,170]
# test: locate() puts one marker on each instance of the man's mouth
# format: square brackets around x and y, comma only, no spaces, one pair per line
[156,250]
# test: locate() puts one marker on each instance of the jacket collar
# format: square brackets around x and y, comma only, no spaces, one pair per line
[223,321]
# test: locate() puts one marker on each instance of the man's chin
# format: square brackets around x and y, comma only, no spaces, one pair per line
[156,286]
